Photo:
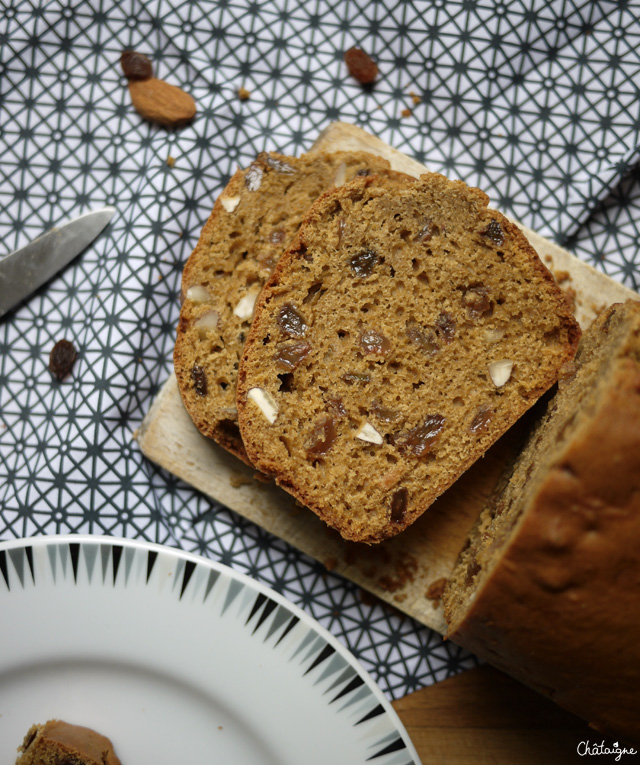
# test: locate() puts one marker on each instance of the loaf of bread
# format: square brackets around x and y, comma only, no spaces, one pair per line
[57,742]
[548,587]
[252,222]
[402,333]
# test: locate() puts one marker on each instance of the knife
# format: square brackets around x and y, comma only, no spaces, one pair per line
[26,269]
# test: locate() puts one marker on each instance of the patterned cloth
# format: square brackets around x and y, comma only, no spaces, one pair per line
[536,102]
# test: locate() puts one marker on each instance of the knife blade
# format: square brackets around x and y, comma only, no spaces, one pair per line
[26,269]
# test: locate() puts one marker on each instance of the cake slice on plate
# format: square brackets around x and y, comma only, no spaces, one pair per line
[58,742]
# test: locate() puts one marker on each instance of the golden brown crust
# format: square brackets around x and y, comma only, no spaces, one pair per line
[559,609]
[252,222]
[446,270]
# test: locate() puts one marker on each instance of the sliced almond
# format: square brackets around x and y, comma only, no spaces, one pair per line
[341,174]
[198,294]
[493,334]
[500,372]
[208,320]
[366,432]
[265,402]
[245,306]
[229,203]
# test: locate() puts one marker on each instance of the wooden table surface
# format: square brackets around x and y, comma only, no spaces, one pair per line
[483,717]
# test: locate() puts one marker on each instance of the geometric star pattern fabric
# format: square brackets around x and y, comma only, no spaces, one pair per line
[537,103]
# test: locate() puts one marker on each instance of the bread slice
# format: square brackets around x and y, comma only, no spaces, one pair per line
[404,331]
[548,587]
[252,222]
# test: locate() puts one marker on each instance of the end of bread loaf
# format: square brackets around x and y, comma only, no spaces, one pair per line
[253,221]
[548,585]
[404,331]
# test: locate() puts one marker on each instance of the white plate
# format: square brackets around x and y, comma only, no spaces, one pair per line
[178,660]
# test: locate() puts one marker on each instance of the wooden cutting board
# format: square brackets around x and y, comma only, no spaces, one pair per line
[407,571]
[484,717]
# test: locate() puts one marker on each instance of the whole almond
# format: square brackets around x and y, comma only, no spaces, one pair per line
[157,101]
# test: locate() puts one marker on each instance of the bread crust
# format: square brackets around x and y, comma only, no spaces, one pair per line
[560,609]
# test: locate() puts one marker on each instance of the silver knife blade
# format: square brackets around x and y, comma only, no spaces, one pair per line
[26,269]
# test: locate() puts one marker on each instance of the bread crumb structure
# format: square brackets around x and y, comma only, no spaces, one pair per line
[58,743]
[376,341]
[548,585]
[253,221]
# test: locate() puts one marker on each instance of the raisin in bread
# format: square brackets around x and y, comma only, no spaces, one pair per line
[404,331]
[549,585]
[58,742]
[252,222]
